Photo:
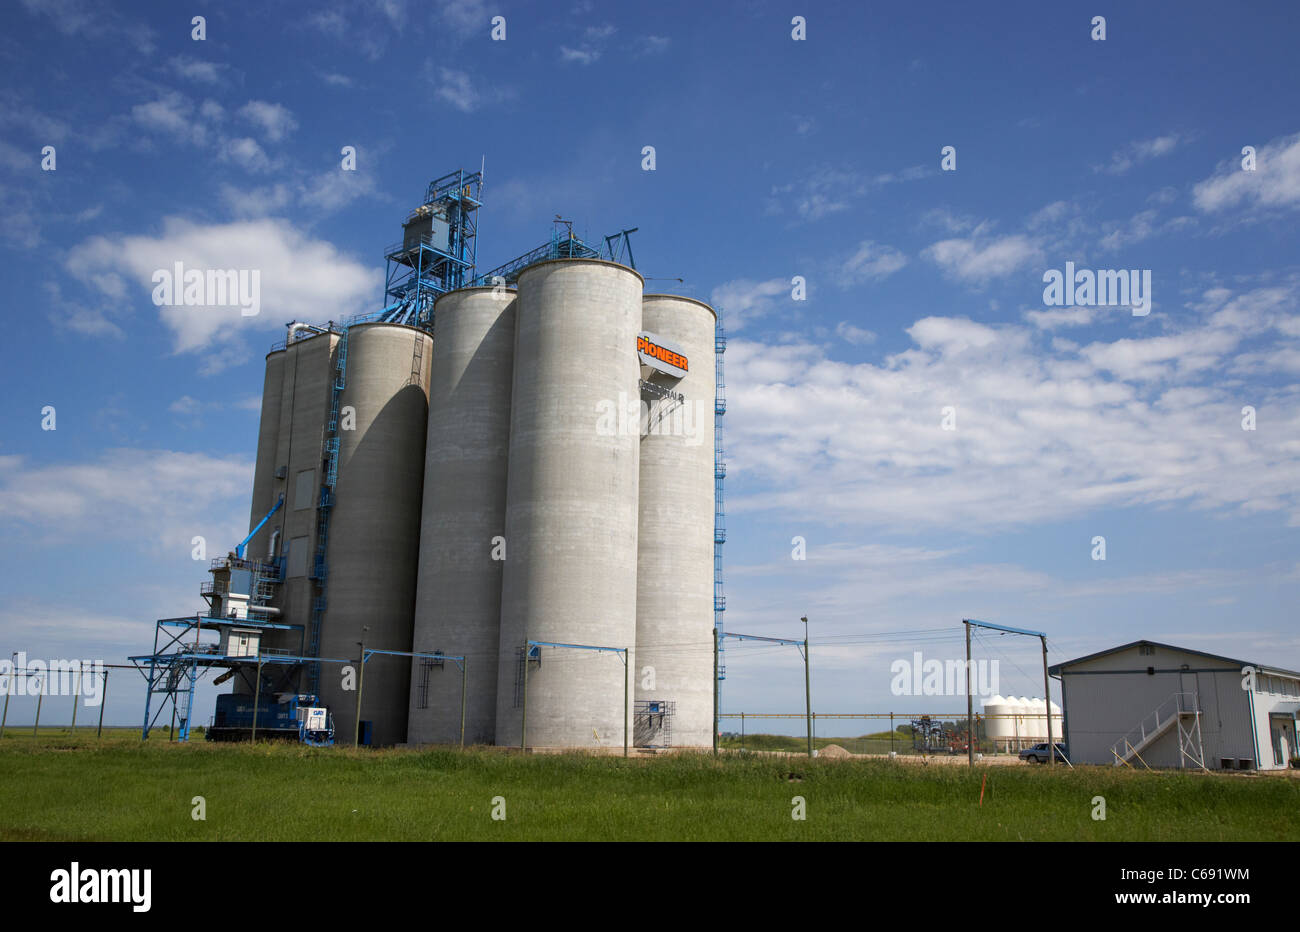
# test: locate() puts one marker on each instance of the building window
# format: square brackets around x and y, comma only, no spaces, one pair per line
[1147,650]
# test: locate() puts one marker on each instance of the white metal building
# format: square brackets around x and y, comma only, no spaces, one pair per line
[1167,706]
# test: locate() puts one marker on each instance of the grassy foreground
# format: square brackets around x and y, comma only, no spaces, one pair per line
[76,788]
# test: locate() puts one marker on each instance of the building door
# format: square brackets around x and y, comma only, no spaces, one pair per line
[1282,728]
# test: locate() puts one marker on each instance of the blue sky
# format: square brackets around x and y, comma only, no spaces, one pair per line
[775,158]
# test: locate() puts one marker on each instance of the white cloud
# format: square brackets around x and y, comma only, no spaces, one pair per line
[1138,152]
[333,189]
[162,497]
[1061,317]
[855,335]
[246,153]
[1043,432]
[743,299]
[456,88]
[87,18]
[464,16]
[300,277]
[185,406]
[583,56]
[592,46]
[256,201]
[652,45]
[275,120]
[195,69]
[173,114]
[1275,183]
[978,263]
[871,262]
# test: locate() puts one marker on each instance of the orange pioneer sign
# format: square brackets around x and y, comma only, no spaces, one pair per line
[661,354]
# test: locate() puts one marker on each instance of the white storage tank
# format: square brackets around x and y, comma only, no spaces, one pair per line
[997,728]
[1016,709]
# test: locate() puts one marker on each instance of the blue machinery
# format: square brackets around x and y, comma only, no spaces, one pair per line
[438,250]
[239,550]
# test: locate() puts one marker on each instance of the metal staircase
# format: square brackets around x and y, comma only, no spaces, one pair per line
[1182,711]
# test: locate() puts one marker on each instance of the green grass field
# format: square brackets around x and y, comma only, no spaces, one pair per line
[60,787]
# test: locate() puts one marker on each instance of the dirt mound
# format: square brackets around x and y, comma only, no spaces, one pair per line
[833,750]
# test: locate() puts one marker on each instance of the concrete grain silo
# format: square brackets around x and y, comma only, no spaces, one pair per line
[458,593]
[295,405]
[570,575]
[675,524]
[266,488]
[375,523]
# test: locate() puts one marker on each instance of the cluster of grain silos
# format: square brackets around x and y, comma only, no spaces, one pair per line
[536,473]
[1013,723]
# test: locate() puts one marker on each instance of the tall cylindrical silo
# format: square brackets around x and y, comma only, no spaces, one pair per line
[374,524]
[265,488]
[997,728]
[571,505]
[462,544]
[674,653]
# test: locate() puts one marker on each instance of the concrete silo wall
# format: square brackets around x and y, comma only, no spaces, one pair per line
[458,592]
[295,405]
[675,530]
[375,524]
[571,503]
[265,487]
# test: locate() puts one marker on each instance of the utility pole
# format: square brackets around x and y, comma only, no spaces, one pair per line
[361,684]
[40,694]
[716,636]
[807,684]
[9,687]
[970,707]
[1047,706]
[76,694]
[103,701]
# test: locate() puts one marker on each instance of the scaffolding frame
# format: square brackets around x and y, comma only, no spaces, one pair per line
[418,272]
[627,676]
[437,655]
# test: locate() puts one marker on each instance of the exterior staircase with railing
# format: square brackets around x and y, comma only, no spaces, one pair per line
[1182,711]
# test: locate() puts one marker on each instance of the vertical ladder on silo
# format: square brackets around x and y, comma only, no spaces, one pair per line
[320,568]
[417,361]
[719,511]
